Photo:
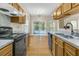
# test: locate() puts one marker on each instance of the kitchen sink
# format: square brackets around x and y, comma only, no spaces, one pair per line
[68,36]
[65,35]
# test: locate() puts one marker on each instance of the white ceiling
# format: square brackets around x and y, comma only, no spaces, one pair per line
[40,8]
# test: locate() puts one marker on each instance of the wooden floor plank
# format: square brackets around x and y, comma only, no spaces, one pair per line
[38,46]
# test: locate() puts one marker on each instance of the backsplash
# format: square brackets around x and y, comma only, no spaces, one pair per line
[74,19]
[5,21]
[17,28]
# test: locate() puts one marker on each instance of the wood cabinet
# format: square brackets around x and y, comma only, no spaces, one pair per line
[75,5]
[53,45]
[59,12]
[70,50]
[66,53]
[18,19]
[66,7]
[62,48]
[6,51]
[58,47]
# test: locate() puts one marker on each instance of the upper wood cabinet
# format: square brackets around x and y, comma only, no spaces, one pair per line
[59,12]
[74,4]
[66,7]
[18,19]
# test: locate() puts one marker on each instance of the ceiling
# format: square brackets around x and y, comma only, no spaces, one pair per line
[40,8]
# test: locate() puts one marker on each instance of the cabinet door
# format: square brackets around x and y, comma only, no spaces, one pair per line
[15,19]
[59,12]
[75,4]
[6,50]
[22,19]
[72,50]
[66,53]
[66,7]
[59,50]
[53,45]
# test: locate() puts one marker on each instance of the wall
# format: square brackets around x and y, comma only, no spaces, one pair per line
[27,24]
[35,18]
[4,20]
[61,23]
[47,19]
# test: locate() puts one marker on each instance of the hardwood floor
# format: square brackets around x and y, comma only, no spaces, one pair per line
[38,46]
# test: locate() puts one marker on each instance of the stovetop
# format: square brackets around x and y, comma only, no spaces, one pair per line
[13,36]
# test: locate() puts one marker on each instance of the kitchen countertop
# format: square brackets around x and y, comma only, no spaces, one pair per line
[4,42]
[74,42]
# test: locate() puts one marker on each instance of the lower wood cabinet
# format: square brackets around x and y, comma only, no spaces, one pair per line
[70,50]
[58,47]
[62,48]
[53,45]
[6,51]
[59,50]
[66,53]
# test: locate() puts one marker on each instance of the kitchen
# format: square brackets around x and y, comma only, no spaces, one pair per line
[39,29]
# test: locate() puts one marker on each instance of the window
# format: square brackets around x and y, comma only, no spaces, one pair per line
[74,24]
[38,27]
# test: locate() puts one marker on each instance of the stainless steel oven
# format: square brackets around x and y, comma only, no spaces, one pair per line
[19,46]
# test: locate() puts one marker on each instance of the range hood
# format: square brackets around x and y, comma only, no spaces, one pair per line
[6,9]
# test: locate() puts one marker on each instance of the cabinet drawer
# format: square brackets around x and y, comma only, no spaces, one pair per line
[6,50]
[59,41]
[70,48]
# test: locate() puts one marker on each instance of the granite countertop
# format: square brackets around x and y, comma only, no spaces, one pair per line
[4,42]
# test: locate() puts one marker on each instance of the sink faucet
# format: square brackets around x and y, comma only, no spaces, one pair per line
[66,27]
